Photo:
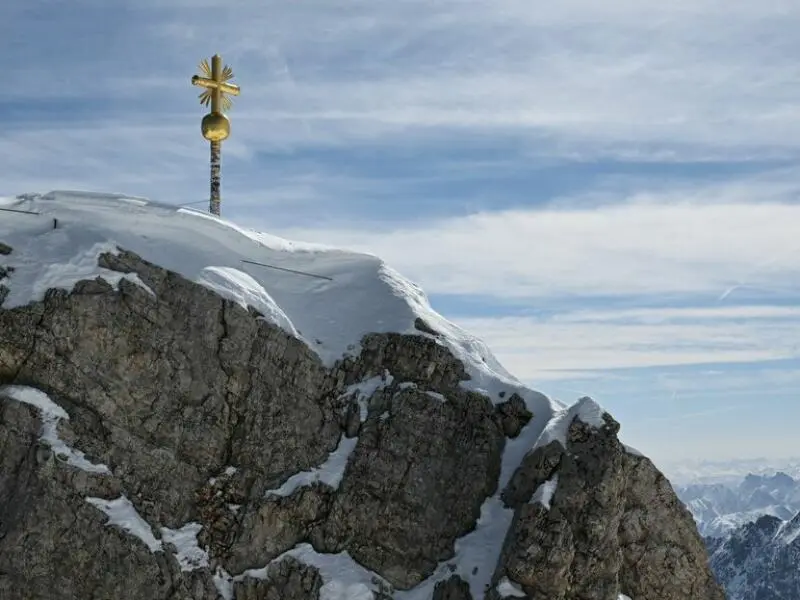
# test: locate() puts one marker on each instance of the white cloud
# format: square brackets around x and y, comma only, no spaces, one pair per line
[532,348]
[655,316]
[578,77]
[672,390]
[635,247]
[665,259]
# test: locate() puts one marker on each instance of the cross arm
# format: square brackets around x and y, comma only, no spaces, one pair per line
[226,88]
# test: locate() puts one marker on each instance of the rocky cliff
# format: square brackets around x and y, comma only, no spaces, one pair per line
[161,441]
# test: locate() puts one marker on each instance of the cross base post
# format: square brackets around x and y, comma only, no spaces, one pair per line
[216,152]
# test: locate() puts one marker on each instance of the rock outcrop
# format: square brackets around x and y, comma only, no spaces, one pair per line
[175,469]
[610,522]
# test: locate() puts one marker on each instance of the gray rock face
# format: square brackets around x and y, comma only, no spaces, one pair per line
[513,415]
[201,410]
[287,579]
[5,271]
[278,524]
[454,588]
[614,526]
[53,544]
[424,449]
[170,391]
[660,540]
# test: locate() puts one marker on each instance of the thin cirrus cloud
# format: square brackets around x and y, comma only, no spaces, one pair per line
[700,79]
[574,78]
[643,245]
[532,347]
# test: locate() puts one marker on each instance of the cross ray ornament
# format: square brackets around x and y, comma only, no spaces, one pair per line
[215,125]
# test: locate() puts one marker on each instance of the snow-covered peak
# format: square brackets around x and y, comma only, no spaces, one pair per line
[353,293]
[790,530]
[586,410]
[721,508]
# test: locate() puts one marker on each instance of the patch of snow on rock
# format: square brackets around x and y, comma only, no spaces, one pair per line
[590,412]
[51,414]
[122,513]
[633,451]
[508,589]
[343,578]
[329,472]
[585,409]
[224,583]
[544,493]
[241,288]
[189,554]
[49,268]
[364,390]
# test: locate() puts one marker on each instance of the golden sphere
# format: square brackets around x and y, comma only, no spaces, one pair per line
[215,127]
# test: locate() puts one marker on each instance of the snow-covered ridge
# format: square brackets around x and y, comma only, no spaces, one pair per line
[585,410]
[362,295]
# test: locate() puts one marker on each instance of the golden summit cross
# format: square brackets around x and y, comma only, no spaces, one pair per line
[215,125]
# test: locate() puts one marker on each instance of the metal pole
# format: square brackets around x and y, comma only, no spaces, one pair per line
[15,210]
[216,151]
[295,271]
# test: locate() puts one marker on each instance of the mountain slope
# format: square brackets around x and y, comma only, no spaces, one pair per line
[364,296]
[731,471]
[759,560]
[720,508]
[178,423]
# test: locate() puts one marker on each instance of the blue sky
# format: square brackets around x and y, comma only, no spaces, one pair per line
[608,193]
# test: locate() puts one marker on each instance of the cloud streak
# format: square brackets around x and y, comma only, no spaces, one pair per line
[649,244]
[691,80]
[529,346]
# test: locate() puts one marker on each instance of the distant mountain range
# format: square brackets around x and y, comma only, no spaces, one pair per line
[752,531]
[720,508]
[730,472]
[759,560]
